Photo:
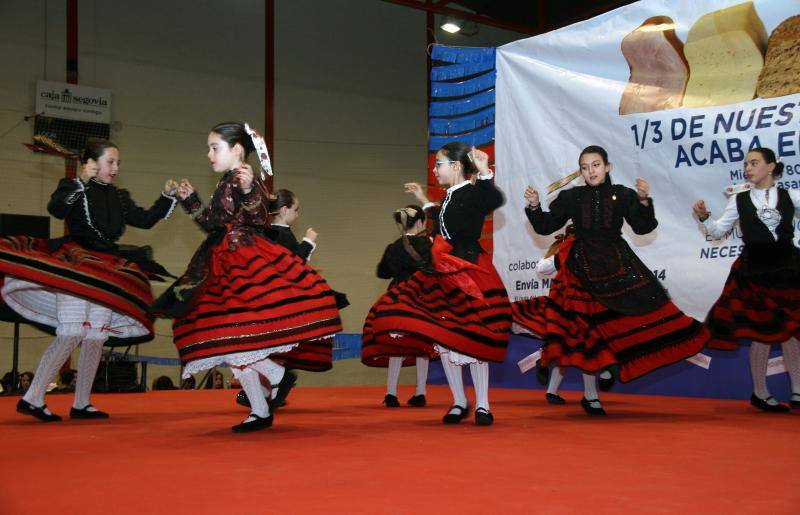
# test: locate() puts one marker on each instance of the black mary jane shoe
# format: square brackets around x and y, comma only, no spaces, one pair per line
[418,401]
[455,418]
[85,413]
[542,375]
[483,417]
[762,404]
[794,404]
[253,425]
[391,401]
[605,384]
[242,400]
[26,408]
[554,398]
[284,387]
[586,404]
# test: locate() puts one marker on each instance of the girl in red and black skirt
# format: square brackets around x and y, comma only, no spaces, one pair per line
[245,301]
[532,313]
[401,259]
[761,297]
[84,285]
[284,208]
[460,311]
[606,310]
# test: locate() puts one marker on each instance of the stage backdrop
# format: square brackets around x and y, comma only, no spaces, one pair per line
[676,91]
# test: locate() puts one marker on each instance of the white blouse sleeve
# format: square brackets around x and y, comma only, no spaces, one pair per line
[795,196]
[717,228]
[546,266]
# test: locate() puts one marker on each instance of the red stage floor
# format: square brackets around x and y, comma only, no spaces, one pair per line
[337,450]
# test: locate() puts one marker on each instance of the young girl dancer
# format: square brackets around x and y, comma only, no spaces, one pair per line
[84,285]
[284,208]
[401,259]
[245,300]
[532,312]
[761,297]
[460,311]
[606,309]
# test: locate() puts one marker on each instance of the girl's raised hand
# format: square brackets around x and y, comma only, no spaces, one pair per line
[642,188]
[170,187]
[415,189]
[532,196]
[311,234]
[185,189]
[244,177]
[88,171]
[699,208]
[480,159]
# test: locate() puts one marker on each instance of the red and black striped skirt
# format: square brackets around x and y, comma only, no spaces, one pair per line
[255,298]
[430,309]
[100,278]
[752,310]
[529,316]
[578,331]
[314,355]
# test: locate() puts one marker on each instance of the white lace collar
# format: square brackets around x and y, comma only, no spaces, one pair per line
[459,185]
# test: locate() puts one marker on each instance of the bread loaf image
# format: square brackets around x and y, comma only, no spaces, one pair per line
[659,70]
[725,50]
[781,73]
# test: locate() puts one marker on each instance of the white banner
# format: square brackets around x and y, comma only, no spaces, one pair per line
[73,102]
[716,95]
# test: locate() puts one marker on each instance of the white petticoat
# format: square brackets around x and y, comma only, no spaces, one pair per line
[38,303]
[518,329]
[236,359]
[454,357]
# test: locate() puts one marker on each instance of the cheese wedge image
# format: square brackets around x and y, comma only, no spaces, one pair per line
[725,50]
[659,70]
[781,73]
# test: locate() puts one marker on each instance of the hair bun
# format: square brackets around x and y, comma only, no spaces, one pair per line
[407,216]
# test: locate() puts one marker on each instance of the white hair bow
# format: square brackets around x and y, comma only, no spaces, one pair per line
[261,149]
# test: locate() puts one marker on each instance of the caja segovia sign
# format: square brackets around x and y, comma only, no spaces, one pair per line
[73,102]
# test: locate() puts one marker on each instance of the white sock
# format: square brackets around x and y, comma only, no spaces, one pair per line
[88,361]
[455,381]
[272,371]
[480,379]
[605,374]
[71,313]
[791,360]
[251,384]
[393,375]
[759,359]
[556,375]
[99,318]
[422,375]
[590,387]
[264,390]
[52,359]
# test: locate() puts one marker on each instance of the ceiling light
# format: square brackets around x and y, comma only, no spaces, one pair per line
[450,25]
